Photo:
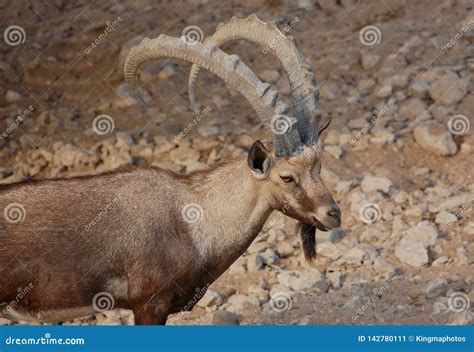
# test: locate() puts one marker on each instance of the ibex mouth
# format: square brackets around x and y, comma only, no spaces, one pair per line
[319,225]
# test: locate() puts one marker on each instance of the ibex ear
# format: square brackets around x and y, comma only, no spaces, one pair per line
[321,130]
[259,161]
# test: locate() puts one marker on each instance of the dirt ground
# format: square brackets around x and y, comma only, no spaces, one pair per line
[66,69]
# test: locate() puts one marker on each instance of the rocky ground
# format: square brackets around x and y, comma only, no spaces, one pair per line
[398,156]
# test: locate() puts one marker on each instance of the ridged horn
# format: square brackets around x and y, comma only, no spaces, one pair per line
[266,102]
[304,91]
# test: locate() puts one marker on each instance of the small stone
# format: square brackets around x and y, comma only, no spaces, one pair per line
[383,266]
[372,183]
[435,138]
[127,98]
[469,229]
[437,288]
[220,101]
[399,80]
[382,137]
[184,155]
[333,236]
[448,90]
[269,256]
[208,130]
[461,258]
[278,289]
[12,96]
[166,72]
[373,235]
[369,61]
[210,299]
[343,187]
[420,171]
[330,250]
[238,267]
[239,302]
[255,262]
[463,318]
[260,292]
[322,286]
[401,197]
[306,5]
[331,137]
[335,278]
[245,141]
[425,232]
[269,76]
[357,123]
[328,91]
[385,90]
[441,261]
[452,203]
[412,248]
[413,253]
[467,147]
[419,89]
[365,86]
[300,280]
[257,247]
[416,211]
[445,217]
[334,150]
[224,317]
[412,108]
[284,249]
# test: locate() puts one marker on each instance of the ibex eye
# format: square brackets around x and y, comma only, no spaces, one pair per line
[287,179]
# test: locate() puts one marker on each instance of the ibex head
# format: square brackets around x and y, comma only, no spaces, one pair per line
[289,168]
[293,185]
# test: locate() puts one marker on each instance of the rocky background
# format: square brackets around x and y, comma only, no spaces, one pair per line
[396,78]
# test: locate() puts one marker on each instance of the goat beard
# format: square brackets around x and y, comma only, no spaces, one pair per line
[308,239]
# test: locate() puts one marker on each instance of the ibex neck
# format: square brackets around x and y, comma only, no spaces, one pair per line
[234,211]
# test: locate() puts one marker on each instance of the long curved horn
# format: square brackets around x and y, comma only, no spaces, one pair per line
[266,102]
[304,92]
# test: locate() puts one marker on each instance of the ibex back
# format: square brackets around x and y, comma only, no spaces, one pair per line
[147,239]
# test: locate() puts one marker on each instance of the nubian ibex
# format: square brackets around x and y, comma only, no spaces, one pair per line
[146,239]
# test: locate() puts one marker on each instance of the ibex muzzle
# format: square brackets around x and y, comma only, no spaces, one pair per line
[148,240]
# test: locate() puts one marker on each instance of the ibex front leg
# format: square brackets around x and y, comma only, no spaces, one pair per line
[154,312]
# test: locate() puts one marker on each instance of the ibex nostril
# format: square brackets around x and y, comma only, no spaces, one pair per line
[335,213]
